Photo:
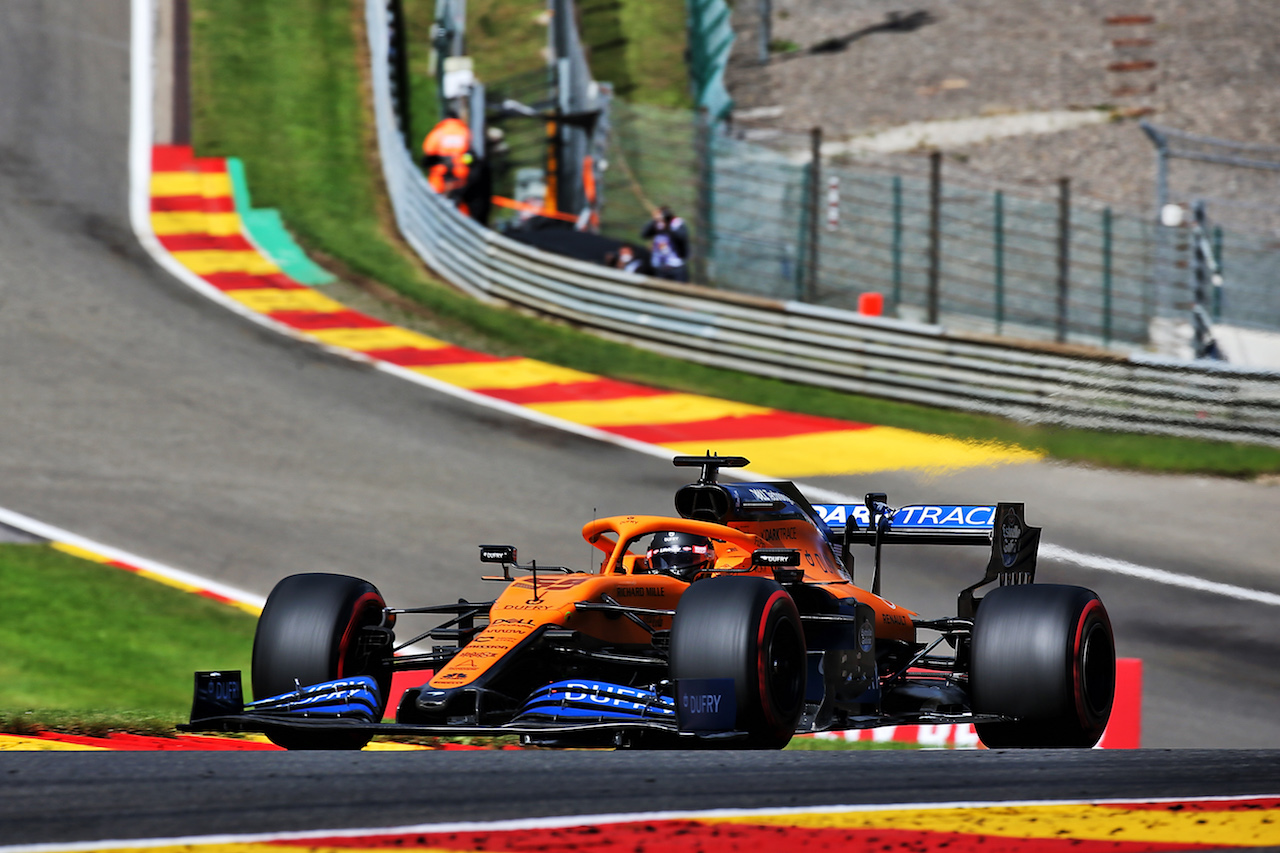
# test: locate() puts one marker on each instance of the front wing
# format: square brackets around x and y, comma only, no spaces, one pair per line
[565,713]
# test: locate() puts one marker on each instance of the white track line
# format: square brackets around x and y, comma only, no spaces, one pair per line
[560,822]
[1133,570]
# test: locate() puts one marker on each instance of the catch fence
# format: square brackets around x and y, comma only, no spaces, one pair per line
[771,216]
[1237,185]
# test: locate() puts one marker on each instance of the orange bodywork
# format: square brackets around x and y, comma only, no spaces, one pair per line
[623,576]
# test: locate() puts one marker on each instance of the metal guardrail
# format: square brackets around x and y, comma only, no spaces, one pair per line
[810,344]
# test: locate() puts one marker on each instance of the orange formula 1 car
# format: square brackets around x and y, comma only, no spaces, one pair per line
[738,623]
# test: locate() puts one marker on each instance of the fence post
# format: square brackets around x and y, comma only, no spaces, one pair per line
[999,260]
[704,209]
[1199,237]
[1217,258]
[935,230]
[815,200]
[1106,276]
[766,29]
[897,242]
[1165,261]
[1064,257]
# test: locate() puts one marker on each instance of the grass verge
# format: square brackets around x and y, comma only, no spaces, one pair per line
[83,646]
[279,85]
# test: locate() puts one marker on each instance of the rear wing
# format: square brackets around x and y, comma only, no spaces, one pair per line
[1003,528]
[956,524]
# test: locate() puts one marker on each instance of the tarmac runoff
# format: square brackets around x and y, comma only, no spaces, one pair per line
[195,217]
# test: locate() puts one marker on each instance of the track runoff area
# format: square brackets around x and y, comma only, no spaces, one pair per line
[1116,826]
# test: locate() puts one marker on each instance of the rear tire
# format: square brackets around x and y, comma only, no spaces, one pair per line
[747,629]
[1044,653]
[309,633]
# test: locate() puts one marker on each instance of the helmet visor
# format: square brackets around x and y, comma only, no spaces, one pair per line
[682,555]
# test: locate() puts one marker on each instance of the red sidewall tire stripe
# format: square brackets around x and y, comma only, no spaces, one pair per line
[1083,712]
[762,665]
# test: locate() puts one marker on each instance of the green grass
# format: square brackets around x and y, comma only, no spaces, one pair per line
[638,46]
[84,646]
[279,85]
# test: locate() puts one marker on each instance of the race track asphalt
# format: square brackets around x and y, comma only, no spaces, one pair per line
[86,797]
[137,413]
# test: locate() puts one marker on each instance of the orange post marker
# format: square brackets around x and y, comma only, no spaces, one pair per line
[1124,731]
[401,681]
[871,304]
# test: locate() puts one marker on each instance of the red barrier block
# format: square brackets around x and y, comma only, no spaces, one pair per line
[402,680]
[1124,730]
[871,304]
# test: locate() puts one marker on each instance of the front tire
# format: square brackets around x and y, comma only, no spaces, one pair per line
[747,629]
[1045,654]
[309,632]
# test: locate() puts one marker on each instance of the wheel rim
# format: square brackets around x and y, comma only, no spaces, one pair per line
[1097,670]
[784,663]
[353,655]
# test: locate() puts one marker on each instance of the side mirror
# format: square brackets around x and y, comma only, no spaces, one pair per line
[498,554]
[785,563]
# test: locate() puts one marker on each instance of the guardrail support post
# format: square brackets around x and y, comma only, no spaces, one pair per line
[1064,258]
[935,230]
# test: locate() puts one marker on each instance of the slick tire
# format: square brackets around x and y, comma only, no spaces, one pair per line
[308,633]
[1045,654]
[747,629]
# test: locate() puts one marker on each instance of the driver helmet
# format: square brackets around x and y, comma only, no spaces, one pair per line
[681,555]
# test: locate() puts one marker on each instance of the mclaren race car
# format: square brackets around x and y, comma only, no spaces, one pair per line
[738,623]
